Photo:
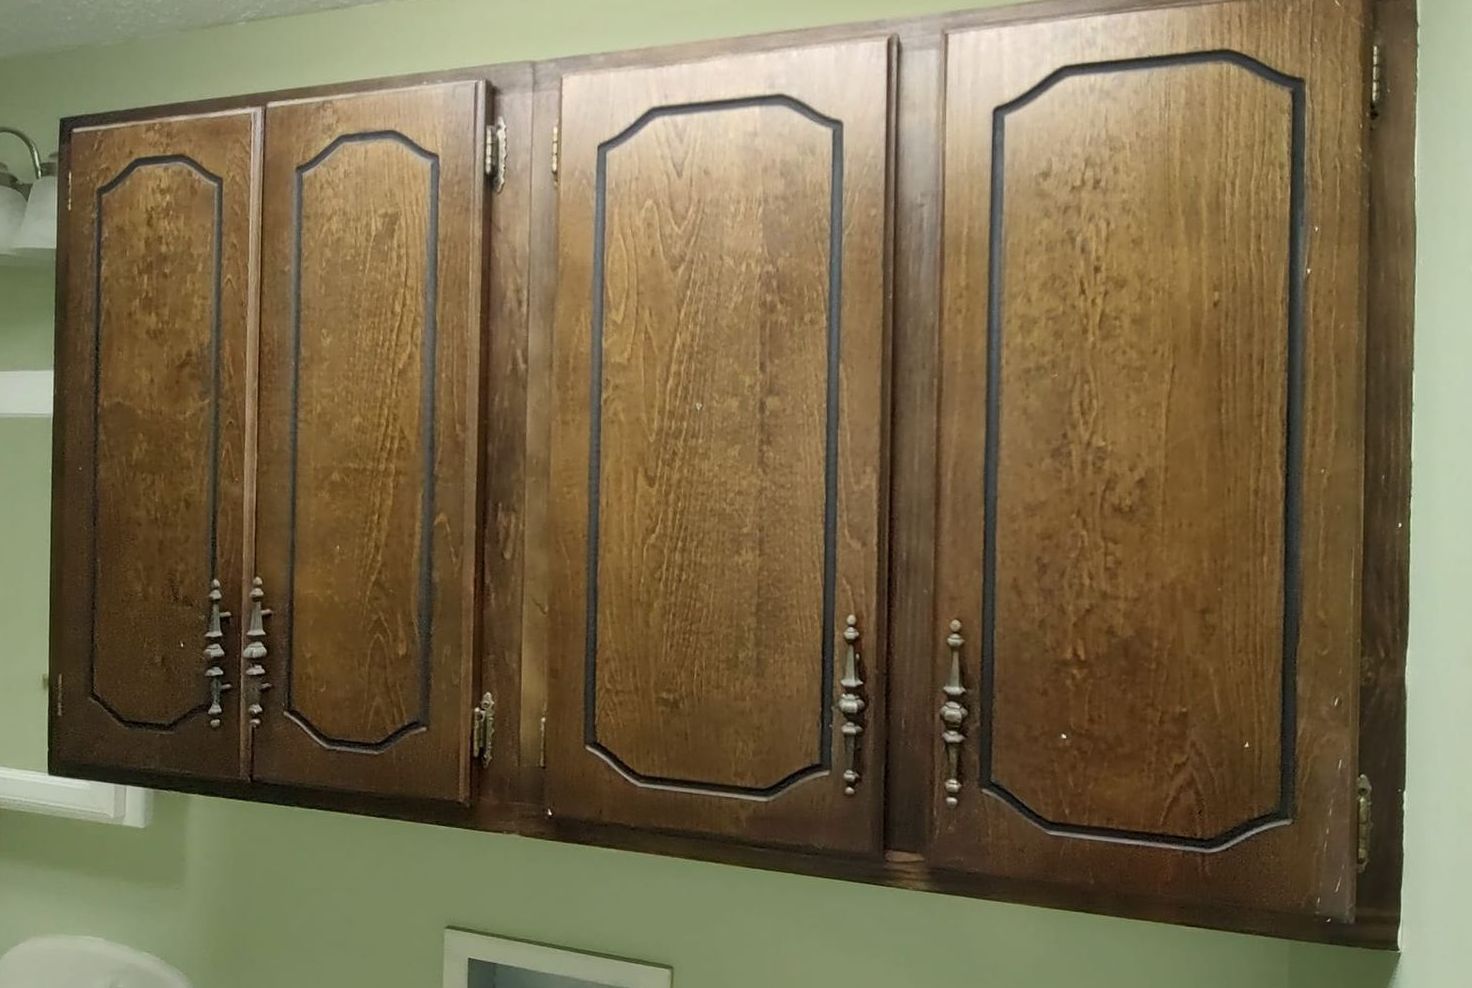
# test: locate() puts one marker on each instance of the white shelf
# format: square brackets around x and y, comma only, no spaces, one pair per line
[97,802]
[26,394]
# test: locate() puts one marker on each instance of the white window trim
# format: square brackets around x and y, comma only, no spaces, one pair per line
[26,394]
[97,802]
[461,948]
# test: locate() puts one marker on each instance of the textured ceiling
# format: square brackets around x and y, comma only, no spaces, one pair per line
[41,25]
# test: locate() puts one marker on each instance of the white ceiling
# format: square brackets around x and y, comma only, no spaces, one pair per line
[41,25]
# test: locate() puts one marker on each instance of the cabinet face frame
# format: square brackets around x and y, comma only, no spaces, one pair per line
[520,658]
[1385,613]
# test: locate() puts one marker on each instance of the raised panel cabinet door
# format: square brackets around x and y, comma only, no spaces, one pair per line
[1146,638]
[158,269]
[373,214]
[716,657]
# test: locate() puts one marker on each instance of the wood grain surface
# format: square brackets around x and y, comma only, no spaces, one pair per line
[716,452]
[1137,651]
[1173,485]
[513,772]
[151,396]
[714,384]
[369,449]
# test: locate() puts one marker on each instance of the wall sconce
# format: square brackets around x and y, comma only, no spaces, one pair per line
[28,213]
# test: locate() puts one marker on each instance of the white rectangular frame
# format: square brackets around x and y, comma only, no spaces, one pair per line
[96,802]
[462,947]
[29,394]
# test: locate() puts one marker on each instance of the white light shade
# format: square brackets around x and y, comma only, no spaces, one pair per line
[37,233]
[12,211]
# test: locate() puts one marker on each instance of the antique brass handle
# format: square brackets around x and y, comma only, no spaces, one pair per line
[214,654]
[953,716]
[851,705]
[255,651]
[483,729]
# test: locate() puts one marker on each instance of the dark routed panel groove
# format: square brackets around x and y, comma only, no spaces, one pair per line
[1151,453]
[369,462]
[342,229]
[1130,305]
[716,446]
[812,336]
[130,278]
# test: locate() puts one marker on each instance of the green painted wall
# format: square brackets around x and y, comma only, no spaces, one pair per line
[242,895]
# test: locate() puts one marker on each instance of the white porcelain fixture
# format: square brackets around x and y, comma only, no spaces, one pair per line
[84,962]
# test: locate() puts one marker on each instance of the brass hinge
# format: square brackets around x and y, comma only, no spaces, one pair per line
[556,147]
[496,153]
[542,744]
[483,730]
[1377,78]
[56,692]
[1362,797]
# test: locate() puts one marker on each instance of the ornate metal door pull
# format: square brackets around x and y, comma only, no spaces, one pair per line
[851,704]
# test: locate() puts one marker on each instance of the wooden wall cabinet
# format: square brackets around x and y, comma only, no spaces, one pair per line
[964,453]
[267,443]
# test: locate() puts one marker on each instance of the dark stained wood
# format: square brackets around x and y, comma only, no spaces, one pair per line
[504,391]
[913,474]
[1137,657]
[735,515]
[1128,702]
[710,550]
[916,640]
[149,459]
[244,599]
[369,442]
[1389,338]
[538,578]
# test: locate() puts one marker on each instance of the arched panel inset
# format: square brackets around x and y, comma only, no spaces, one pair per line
[371,442]
[157,282]
[358,661]
[713,466]
[1143,450]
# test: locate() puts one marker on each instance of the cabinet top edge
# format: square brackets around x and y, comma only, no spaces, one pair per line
[509,78]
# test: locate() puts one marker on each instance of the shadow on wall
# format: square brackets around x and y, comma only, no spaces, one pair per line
[239,894]
[151,858]
[246,894]
[1314,966]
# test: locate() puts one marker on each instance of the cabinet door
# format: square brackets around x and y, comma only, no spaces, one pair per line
[716,490]
[369,414]
[1151,454]
[158,264]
